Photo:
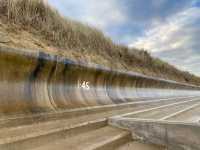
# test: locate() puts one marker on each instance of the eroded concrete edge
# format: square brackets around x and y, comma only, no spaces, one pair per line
[173,135]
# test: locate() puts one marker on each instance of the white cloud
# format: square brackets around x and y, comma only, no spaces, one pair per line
[104,13]
[101,14]
[175,33]
[176,40]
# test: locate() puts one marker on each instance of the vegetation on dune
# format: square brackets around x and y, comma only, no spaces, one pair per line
[38,18]
[48,22]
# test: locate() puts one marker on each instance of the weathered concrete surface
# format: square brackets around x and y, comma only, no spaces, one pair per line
[46,98]
[136,145]
[35,81]
[174,135]
[55,130]
[98,111]
[164,112]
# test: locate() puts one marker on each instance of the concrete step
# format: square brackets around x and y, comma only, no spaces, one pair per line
[174,135]
[42,132]
[93,140]
[19,134]
[136,145]
[162,112]
[191,115]
[27,119]
[45,136]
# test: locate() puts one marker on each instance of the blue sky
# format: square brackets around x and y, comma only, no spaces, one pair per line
[168,29]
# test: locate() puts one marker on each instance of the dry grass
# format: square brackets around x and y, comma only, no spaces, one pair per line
[80,41]
[34,14]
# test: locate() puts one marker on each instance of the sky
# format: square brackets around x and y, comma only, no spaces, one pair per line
[167,29]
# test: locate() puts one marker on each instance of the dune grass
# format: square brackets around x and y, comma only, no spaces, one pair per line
[48,22]
[37,17]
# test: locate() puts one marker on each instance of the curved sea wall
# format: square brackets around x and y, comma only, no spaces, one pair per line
[36,81]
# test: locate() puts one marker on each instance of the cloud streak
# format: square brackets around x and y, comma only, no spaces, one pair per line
[176,32]
[176,40]
[101,14]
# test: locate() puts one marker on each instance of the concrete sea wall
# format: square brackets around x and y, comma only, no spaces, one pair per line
[33,81]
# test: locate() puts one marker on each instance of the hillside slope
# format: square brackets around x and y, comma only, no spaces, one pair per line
[33,24]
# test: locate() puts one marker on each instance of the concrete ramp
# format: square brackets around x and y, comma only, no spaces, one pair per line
[171,134]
